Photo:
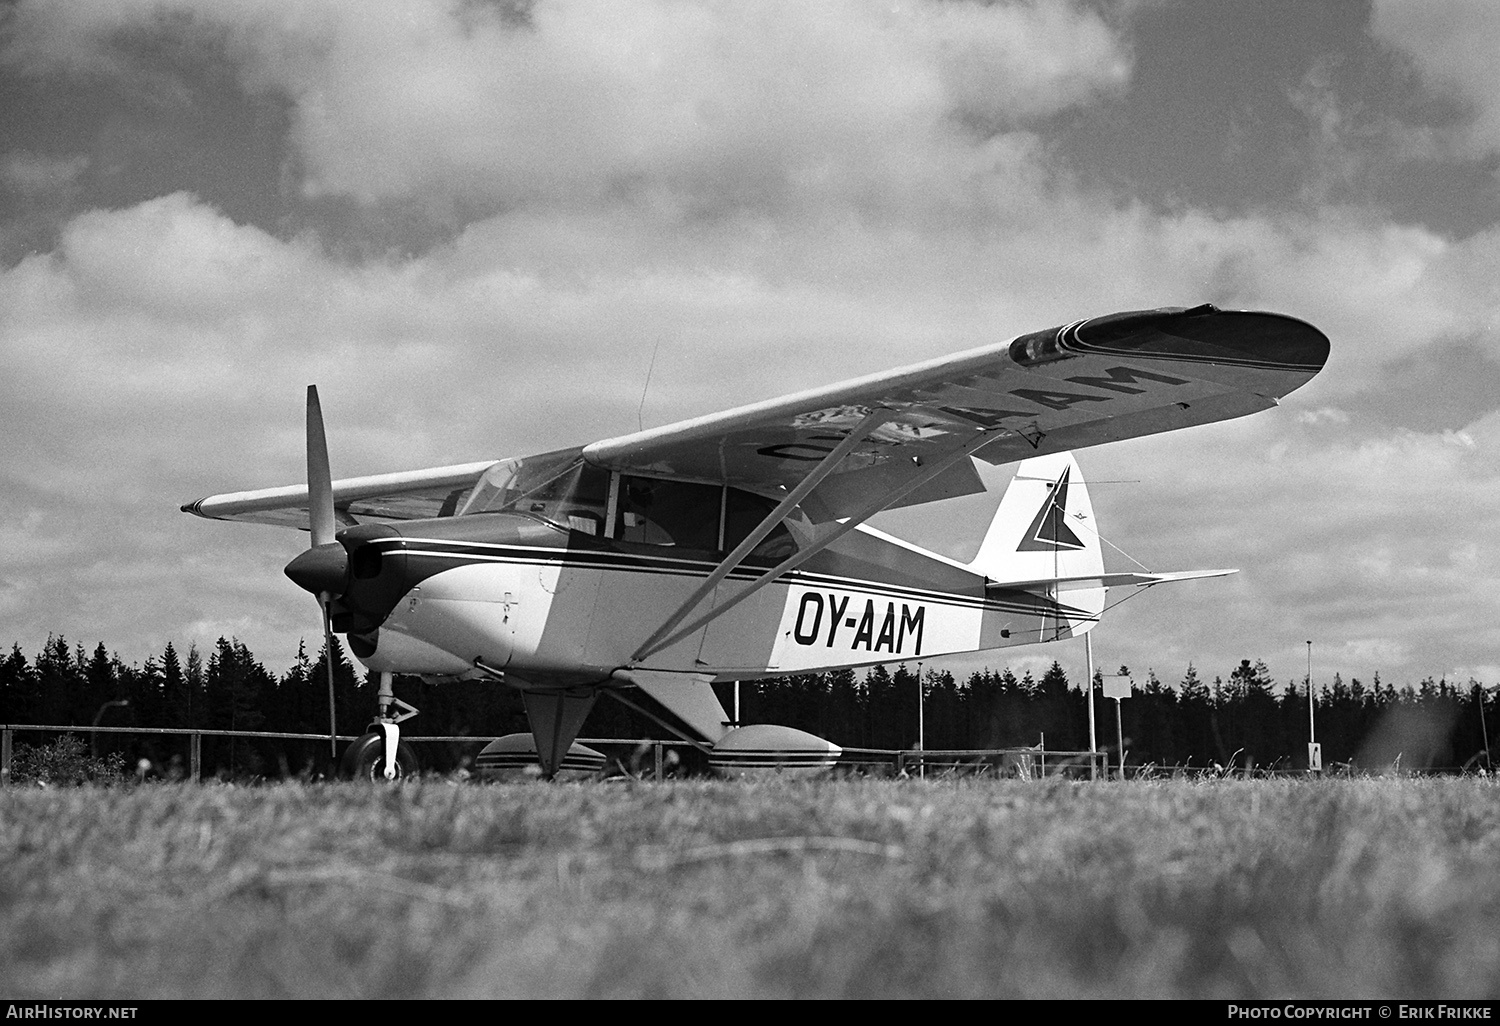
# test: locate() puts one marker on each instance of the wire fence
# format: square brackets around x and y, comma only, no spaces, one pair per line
[636,754]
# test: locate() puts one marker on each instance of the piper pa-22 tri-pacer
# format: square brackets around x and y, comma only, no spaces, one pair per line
[649,566]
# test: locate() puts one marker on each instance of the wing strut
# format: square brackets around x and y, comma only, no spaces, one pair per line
[803,555]
[829,463]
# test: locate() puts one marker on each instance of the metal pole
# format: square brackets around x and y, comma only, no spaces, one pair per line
[333,733]
[921,726]
[94,735]
[1310,733]
[1483,728]
[1088,650]
[1120,735]
[1314,751]
[736,703]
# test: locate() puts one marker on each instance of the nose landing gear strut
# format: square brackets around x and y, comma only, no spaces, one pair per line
[380,754]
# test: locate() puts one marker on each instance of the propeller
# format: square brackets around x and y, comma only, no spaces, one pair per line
[319,477]
[323,569]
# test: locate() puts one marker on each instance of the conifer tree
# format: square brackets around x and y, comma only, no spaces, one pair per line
[1153,721]
[235,683]
[19,700]
[1059,720]
[60,684]
[174,689]
[194,680]
[846,716]
[885,724]
[102,685]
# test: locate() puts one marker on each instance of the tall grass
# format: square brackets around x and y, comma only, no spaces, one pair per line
[832,888]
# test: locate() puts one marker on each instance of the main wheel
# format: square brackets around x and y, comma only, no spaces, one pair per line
[364,759]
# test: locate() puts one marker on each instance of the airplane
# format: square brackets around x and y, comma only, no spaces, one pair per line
[649,566]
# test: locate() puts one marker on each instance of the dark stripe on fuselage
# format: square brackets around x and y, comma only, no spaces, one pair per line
[445,556]
[388,564]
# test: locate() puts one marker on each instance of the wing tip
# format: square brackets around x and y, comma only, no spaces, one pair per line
[1255,338]
[1190,575]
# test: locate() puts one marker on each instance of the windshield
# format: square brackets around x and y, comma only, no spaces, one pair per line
[558,486]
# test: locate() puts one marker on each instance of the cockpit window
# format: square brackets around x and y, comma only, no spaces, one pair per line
[743,513]
[678,513]
[563,489]
[559,487]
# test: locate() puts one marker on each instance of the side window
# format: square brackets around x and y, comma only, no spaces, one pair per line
[743,514]
[676,513]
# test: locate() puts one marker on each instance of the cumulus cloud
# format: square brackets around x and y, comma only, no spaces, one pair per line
[31,174]
[1453,46]
[1372,544]
[569,101]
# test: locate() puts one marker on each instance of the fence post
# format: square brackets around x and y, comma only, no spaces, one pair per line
[5,737]
[195,757]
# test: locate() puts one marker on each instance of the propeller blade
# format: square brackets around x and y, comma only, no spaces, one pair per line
[319,478]
[325,564]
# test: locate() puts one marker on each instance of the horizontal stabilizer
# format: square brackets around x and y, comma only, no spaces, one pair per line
[1139,579]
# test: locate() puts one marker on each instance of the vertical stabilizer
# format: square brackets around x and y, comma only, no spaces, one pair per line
[1045,531]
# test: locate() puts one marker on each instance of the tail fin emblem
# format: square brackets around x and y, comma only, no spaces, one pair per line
[1050,531]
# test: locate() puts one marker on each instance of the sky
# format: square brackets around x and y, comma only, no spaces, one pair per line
[477,225]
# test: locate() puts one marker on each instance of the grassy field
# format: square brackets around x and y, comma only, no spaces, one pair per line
[832,888]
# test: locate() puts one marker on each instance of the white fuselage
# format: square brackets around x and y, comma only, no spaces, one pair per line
[557,613]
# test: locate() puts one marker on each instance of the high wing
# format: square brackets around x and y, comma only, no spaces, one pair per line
[879,440]
[406,495]
[1093,381]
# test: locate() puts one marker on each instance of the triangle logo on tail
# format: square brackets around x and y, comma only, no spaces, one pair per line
[1050,531]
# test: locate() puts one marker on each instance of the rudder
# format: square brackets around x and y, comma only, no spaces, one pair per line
[1044,530]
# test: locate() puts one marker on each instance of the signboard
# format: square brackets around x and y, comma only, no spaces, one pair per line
[1116,687]
[1315,757]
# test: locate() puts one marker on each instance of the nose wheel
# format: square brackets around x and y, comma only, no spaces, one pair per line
[381,755]
[365,759]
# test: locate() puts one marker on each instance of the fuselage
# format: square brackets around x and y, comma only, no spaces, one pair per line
[554,605]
